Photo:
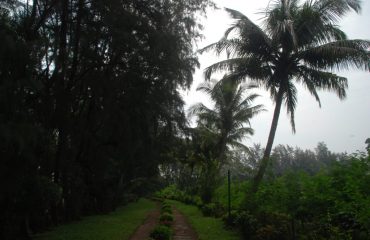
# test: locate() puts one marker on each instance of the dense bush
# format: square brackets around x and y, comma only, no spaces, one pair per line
[242,220]
[166,209]
[166,217]
[161,232]
[334,203]
[237,191]
[172,192]
[212,209]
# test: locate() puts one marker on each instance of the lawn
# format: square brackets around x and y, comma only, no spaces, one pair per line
[118,225]
[208,228]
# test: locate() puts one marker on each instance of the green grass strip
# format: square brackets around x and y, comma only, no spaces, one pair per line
[208,228]
[118,225]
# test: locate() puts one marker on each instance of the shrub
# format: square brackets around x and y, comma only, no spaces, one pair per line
[166,208]
[170,192]
[246,222]
[230,221]
[208,209]
[197,201]
[212,209]
[166,217]
[161,232]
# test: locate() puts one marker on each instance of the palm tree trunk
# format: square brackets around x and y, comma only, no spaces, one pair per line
[266,156]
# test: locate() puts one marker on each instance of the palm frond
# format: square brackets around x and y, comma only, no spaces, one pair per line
[290,96]
[312,30]
[231,46]
[252,36]
[200,109]
[226,65]
[341,54]
[323,81]
[333,10]
[240,133]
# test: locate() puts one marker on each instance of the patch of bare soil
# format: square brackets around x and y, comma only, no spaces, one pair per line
[181,228]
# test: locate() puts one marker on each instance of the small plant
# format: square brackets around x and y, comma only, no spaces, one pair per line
[161,232]
[166,209]
[166,217]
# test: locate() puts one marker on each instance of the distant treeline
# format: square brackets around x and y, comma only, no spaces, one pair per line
[244,164]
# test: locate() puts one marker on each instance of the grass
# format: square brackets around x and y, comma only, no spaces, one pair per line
[118,225]
[208,228]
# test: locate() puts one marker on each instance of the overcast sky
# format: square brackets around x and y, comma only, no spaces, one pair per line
[342,125]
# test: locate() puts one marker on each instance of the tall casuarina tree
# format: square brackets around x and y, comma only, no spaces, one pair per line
[297,43]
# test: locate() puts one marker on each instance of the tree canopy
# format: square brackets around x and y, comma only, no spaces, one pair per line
[89,101]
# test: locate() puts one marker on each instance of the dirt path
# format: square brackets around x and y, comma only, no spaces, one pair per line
[182,230]
[143,232]
[181,227]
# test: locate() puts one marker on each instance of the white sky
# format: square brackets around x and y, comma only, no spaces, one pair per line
[342,125]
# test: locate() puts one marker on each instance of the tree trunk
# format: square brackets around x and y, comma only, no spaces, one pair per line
[266,156]
[61,107]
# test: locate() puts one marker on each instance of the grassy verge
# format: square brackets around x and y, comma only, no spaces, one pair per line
[208,228]
[118,225]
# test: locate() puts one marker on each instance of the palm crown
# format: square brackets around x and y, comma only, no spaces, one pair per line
[298,43]
[232,111]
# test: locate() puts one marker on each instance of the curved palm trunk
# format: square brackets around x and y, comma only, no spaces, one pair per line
[266,156]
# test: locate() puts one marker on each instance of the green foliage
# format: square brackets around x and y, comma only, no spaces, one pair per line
[331,203]
[242,220]
[208,209]
[172,192]
[213,209]
[166,217]
[166,209]
[237,191]
[161,232]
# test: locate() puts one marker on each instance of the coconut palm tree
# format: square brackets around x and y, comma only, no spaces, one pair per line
[232,111]
[222,127]
[298,43]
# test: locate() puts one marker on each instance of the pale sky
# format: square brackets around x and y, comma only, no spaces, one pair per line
[342,125]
